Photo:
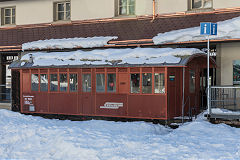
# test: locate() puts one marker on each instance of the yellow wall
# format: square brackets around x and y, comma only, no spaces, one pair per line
[171,6]
[226,53]
[31,12]
[225,4]
[41,11]
[92,9]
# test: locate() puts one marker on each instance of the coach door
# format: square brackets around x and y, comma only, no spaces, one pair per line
[87,92]
[194,90]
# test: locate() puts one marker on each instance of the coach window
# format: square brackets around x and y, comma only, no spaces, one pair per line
[43,82]
[191,81]
[73,82]
[63,82]
[86,83]
[111,82]
[147,83]
[35,82]
[53,82]
[159,83]
[135,83]
[100,82]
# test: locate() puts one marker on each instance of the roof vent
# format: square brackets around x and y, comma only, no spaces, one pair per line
[30,58]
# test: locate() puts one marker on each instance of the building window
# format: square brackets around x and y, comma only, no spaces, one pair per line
[159,83]
[62,11]
[147,83]
[63,82]
[8,15]
[35,82]
[126,7]
[111,82]
[53,82]
[100,82]
[43,82]
[86,83]
[192,81]
[197,4]
[236,72]
[135,83]
[73,82]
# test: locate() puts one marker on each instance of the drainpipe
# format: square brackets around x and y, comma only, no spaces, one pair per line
[183,86]
[154,6]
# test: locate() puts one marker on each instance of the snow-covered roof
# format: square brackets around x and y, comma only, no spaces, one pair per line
[136,56]
[228,29]
[88,42]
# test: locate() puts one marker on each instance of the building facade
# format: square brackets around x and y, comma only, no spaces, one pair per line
[23,12]
[134,22]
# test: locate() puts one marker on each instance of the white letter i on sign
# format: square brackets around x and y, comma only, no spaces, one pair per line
[205,28]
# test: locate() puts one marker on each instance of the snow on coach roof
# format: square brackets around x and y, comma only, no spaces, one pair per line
[109,57]
[228,29]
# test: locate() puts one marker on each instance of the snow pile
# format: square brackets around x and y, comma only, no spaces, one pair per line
[228,29]
[224,111]
[112,56]
[27,137]
[88,42]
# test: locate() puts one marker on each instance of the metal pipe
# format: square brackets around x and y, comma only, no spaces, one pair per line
[225,87]
[208,97]
[154,4]
[183,94]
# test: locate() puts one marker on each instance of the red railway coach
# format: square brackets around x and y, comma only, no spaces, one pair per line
[143,91]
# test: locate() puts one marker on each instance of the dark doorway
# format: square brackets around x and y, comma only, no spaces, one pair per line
[203,86]
[16,91]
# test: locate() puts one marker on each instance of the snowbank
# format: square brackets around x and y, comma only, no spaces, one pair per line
[224,111]
[88,42]
[28,137]
[112,56]
[228,29]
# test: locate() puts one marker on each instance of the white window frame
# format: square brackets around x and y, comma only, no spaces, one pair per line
[202,7]
[64,12]
[11,16]
[127,8]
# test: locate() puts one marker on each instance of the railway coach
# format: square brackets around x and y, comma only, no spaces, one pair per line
[142,83]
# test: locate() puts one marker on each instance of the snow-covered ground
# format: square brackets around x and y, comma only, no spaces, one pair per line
[28,137]
[224,111]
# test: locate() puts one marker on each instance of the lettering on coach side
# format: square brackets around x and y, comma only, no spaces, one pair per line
[28,100]
[112,105]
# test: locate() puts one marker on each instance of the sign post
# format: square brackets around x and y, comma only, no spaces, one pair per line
[208,28]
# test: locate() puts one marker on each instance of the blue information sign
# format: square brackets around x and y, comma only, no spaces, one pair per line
[208,28]
[213,28]
[205,28]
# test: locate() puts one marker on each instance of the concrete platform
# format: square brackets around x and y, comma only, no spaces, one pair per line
[5,106]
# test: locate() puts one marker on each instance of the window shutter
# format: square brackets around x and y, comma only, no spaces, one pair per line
[116,7]
[54,12]
[189,4]
[2,16]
